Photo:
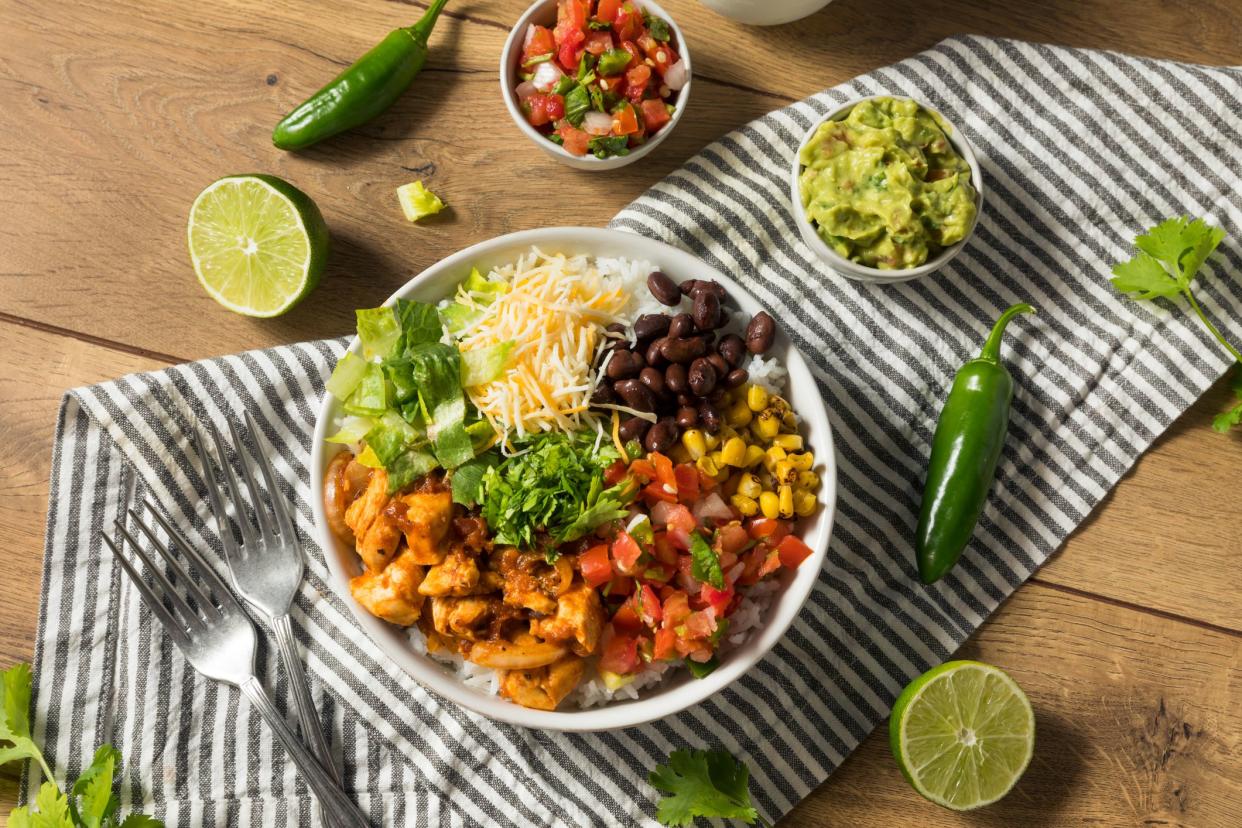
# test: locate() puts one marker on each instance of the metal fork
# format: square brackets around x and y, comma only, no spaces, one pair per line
[268,566]
[219,640]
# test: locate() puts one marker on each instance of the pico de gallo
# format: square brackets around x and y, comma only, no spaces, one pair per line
[603,80]
[672,576]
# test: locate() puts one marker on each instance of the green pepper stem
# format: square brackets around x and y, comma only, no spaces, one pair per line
[422,29]
[991,348]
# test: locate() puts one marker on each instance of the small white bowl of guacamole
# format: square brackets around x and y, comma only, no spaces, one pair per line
[885,189]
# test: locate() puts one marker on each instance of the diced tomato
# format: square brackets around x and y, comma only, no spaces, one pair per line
[625,122]
[685,574]
[656,492]
[649,606]
[662,549]
[598,42]
[679,517]
[626,619]
[615,473]
[655,114]
[607,10]
[555,104]
[687,475]
[542,42]
[643,468]
[571,20]
[664,468]
[700,624]
[660,53]
[628,22]
[792,551]
[620,654]
[752,563]
[717,599]
[595,566]
[771,561]
[665,645]
[543,109]
[676,609]
[769,529]
[626,552]
[636,79]
[620,585]
[575,140]
[731,539]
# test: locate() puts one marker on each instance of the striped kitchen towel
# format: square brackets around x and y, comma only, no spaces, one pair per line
[1080,150]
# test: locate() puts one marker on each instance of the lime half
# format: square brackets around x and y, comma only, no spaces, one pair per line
[258,243]
[962,733]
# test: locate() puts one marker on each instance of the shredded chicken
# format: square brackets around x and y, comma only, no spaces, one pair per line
[579,618]
[375,527]
[392,593]
[542,688]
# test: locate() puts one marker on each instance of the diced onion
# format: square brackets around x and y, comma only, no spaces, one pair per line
[712,506]
[677,76]
[530,35]
[524,90]
[547,74]
[597,123]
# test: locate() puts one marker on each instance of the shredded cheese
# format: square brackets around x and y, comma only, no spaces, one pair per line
[554,310]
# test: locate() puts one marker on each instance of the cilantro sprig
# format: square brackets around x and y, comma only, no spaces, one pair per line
[90,803]
[703,783]
[1170,255]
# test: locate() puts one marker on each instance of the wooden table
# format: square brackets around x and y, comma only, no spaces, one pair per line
[114,115]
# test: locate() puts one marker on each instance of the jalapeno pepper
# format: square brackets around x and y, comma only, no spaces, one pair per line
[362,91]
[967,445]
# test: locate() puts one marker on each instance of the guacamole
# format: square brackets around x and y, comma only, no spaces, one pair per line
[884,187]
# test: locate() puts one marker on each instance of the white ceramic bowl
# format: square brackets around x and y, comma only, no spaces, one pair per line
[680,690]
[543,13]
[854,270]
[767,12]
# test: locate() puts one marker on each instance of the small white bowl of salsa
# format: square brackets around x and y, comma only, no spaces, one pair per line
[861,171]
[596,84]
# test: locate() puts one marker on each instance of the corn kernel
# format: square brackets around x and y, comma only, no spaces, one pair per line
[784,472]
[785,501]
[789,421]
[693,441]
[739,414]
[808,480]
[746,505]
[733,452]
[803,461]
[780,404]
[773,456]
[756,398]
[748,484]
[768,424]
[789,442]
[679,454]
[770,504]
[805,503]
[726,433]
[754,454]
[707,465]
[712,440]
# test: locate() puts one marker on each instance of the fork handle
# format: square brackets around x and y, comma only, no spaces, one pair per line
[308,719]
[335,802]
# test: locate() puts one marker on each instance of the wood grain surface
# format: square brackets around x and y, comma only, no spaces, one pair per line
[113,115]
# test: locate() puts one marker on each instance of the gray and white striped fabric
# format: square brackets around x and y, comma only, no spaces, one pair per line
[1079,151]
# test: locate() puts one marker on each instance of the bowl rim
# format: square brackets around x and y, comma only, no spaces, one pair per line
[508,82]
[852,269]
[797,585]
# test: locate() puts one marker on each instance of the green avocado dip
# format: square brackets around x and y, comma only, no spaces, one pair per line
[884,187]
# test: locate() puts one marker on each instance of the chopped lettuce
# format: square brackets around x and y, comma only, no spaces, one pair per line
[417,201]
[484,364]
[420,324]
[346,375]
[353,430]
[379,331]
[468,478]
[436,369]
[371,396]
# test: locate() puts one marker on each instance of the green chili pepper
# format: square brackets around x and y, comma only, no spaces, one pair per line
[362,91]
[965,450]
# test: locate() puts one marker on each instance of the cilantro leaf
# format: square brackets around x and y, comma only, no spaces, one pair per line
[657,27]
[1233,416]
[15,684]
[93,790]
[468,478]
[1181,244]
[1145,277]
[702,783]
[52,810]
[705,563]
[141,821]
[577,102]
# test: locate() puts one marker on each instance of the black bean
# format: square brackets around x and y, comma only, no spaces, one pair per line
[718,362]
[684,349]
[760,333]
[702,377]
[654,356]
[632,428]
[736,377]
[732,348]
[706,311]
[687,399]
[653,379]
[616,328]
[693,286]
[636,395]
[687,416]
[681,326]
[625,364]
[664,289]
[662,436]
[687,287]
[709,417]
[675,379]
[603,393]
[651,325]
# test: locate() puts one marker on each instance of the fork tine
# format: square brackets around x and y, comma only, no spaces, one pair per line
[221,590]
[266,528]
[249,538]
[179,603]
[223,526]
[205,606]
[156,606]
[279,505]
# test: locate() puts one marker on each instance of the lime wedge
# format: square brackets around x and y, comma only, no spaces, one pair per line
[962,733]
[258,243]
